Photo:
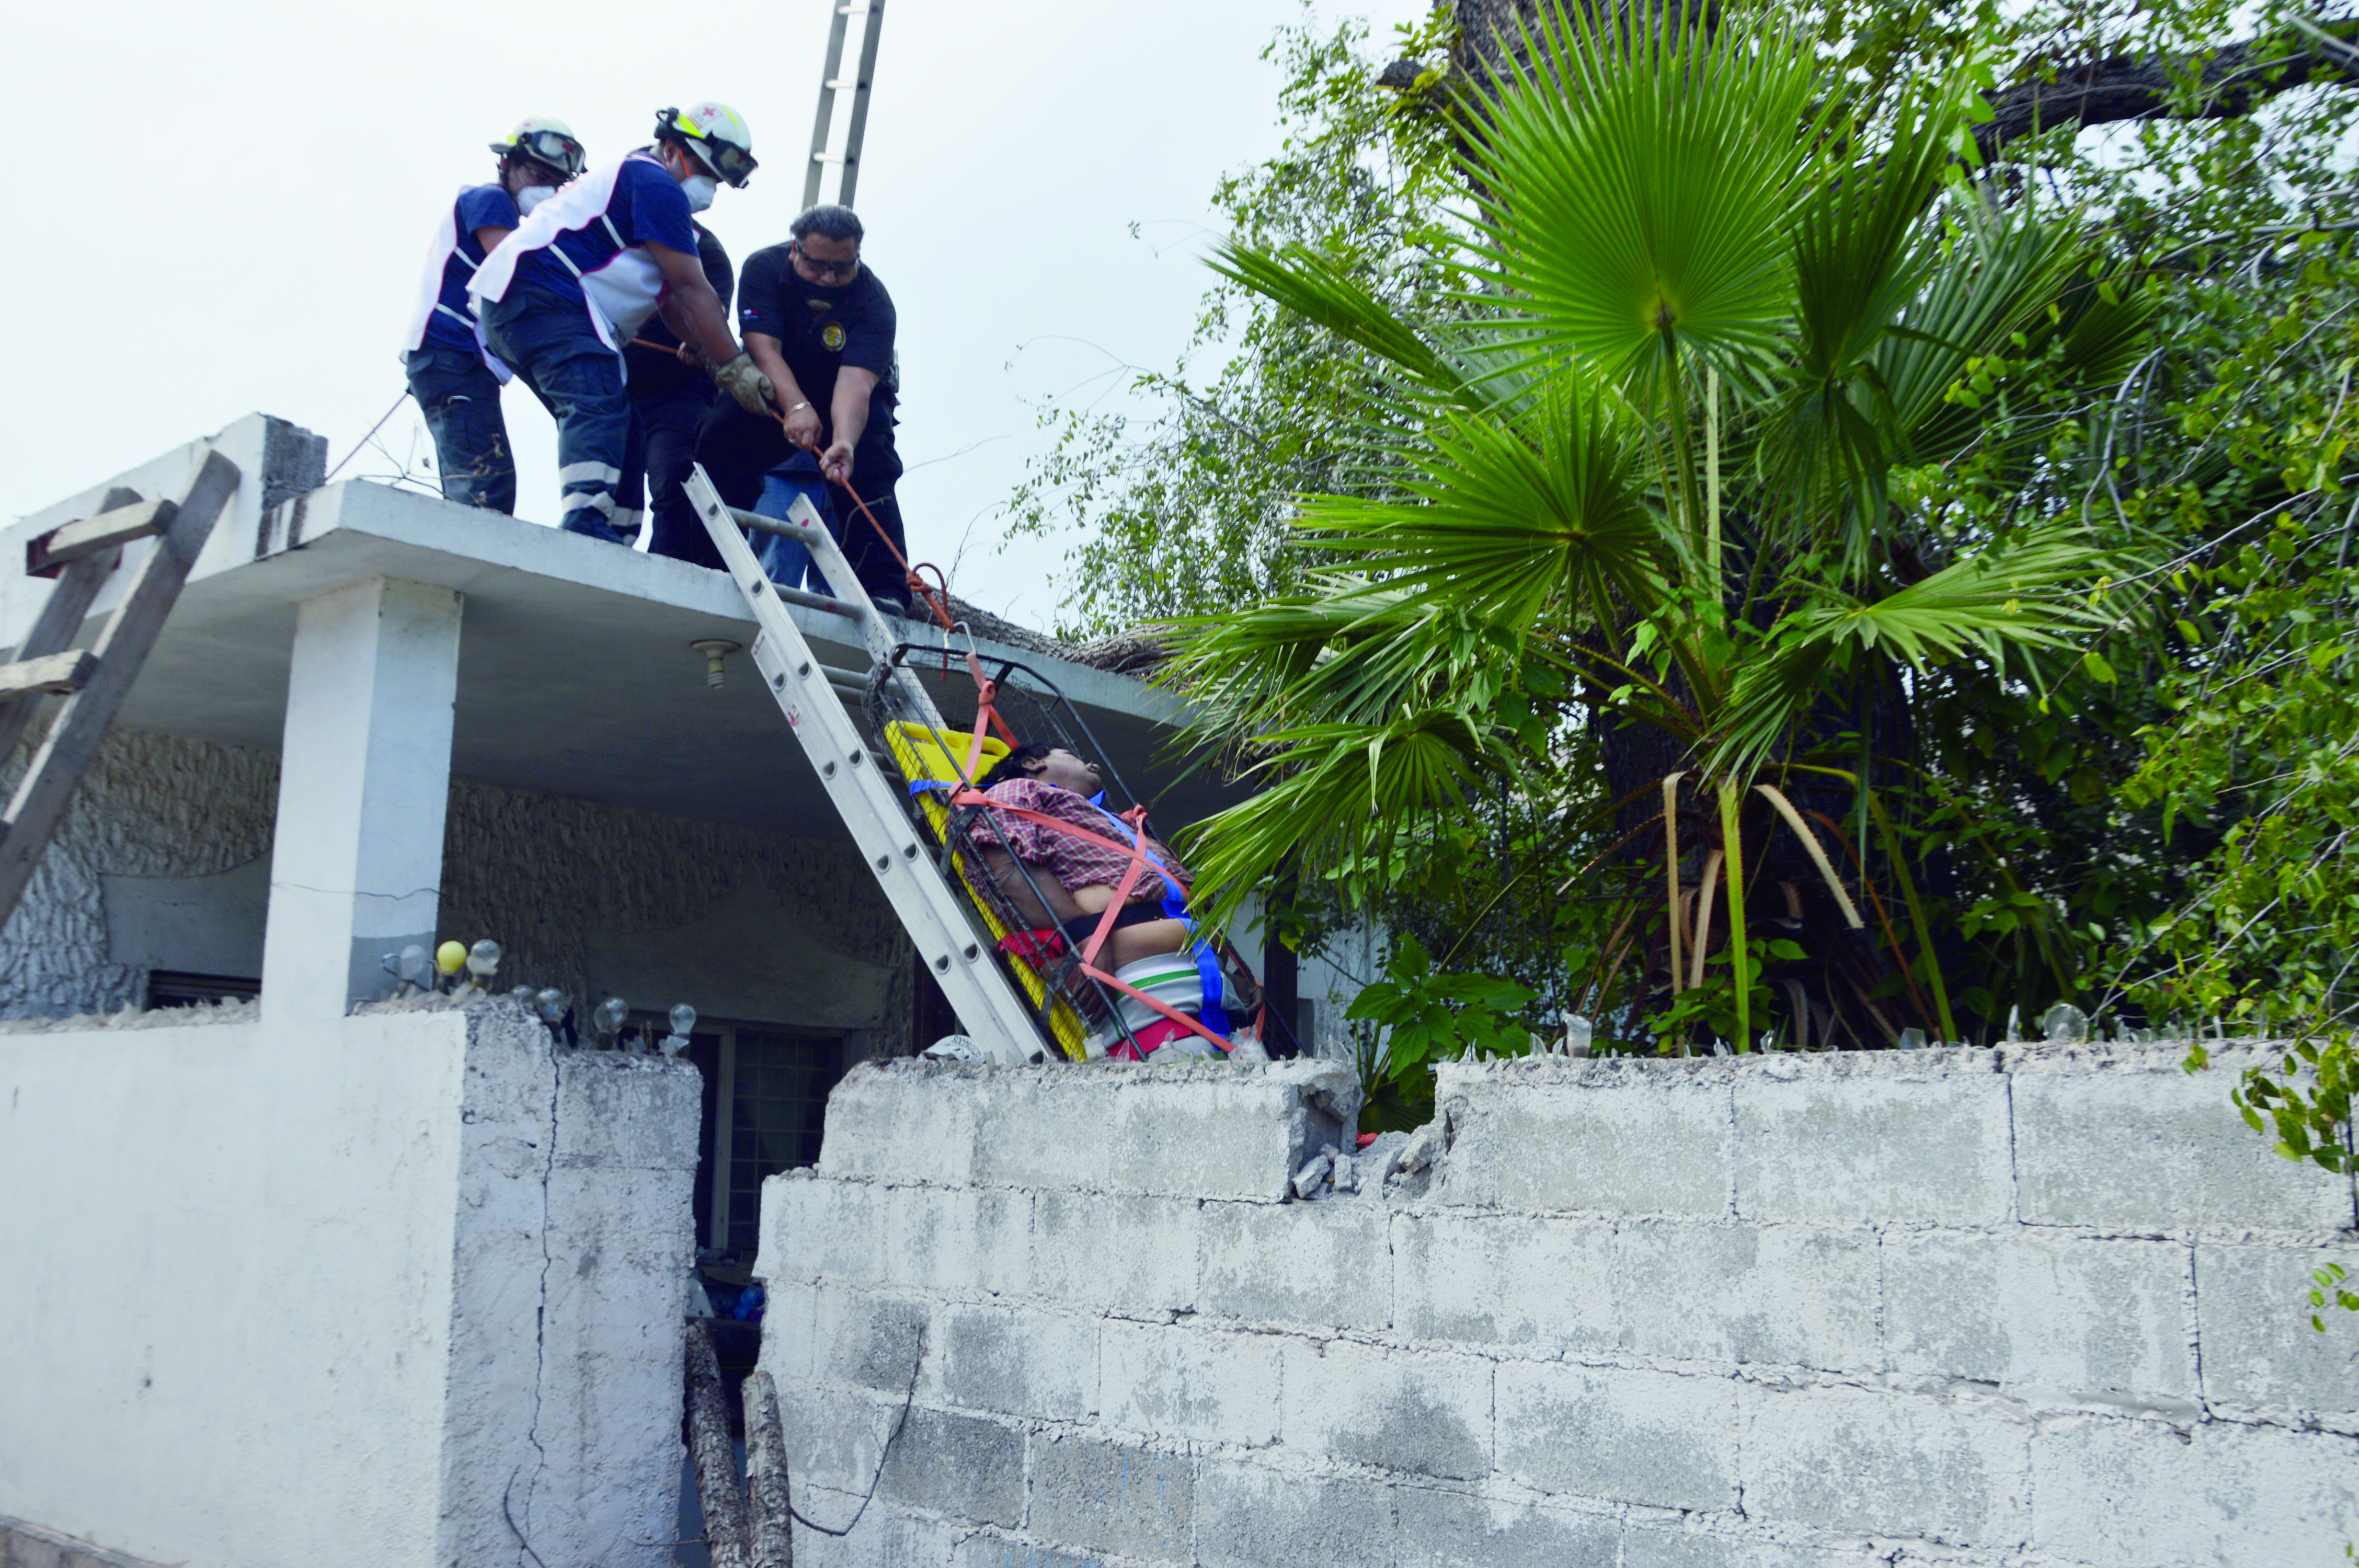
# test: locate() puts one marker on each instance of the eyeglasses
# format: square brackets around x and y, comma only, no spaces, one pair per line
[827,268]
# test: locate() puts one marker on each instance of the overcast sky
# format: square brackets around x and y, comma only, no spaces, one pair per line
[226,208]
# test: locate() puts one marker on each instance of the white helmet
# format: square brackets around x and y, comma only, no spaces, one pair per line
[546,141]
[714,132]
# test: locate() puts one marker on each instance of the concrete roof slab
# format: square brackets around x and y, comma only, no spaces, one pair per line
[576,677]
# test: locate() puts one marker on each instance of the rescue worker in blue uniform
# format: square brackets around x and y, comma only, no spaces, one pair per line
[454,379]
[670,396]
[582,273]
[822,326]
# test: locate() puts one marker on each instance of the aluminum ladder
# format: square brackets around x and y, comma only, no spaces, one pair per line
[934,912]
[832,85]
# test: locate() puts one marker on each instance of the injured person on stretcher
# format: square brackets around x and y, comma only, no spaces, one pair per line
[1061,861]
[1083,876]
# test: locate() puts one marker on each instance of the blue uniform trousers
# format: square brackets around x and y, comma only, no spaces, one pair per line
[461,400]
[556,352]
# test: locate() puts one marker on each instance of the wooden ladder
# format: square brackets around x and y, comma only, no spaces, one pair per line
[93,681]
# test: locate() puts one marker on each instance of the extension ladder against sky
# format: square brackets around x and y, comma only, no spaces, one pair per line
[961,958]
[82,554]
[833,85]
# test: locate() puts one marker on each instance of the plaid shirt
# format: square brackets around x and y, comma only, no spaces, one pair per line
[1074,862]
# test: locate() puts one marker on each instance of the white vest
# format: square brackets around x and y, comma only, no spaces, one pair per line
[622,293]
[439,251]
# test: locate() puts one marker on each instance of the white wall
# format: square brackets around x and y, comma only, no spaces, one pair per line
[1330,976]
[354,1294]
[1977,1308]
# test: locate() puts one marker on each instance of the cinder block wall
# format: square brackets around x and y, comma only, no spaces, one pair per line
[2020,1306]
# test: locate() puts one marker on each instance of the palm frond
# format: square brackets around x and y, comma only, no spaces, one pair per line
[1322,289]
[1640,180]
[1515,515]
[1341,793]
[2031,596]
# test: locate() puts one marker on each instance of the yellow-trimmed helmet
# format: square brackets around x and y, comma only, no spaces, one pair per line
[714,132]
[547,141]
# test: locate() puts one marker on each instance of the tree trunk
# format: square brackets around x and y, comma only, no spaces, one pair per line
[772,1519]
[716,1457]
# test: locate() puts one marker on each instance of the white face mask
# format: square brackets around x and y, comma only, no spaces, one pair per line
[532,196]
[698,188]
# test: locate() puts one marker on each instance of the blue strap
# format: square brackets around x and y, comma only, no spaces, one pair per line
[1175,907]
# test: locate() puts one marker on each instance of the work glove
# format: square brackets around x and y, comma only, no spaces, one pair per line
[742,379]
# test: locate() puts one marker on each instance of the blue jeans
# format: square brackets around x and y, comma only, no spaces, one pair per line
[461,400]
[784,561]
[740,451]
[556,352]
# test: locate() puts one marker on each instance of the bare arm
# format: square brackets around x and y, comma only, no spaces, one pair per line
[693,309]
[1019,890]
[490,235]
[850,412]
[850,409]
[802,419]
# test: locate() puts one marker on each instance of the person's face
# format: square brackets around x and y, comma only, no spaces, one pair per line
[523,172]
[821,260]
[1066,770]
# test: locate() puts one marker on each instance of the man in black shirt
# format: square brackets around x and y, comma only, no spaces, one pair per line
[821,326]
[671,399]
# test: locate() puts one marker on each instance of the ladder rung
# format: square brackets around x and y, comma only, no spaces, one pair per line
[852,678]
[837,84]
[68,671]
[779,525]
[818,601]
[104,532]
[833,157]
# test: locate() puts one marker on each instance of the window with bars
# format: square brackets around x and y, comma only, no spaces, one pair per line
[778,1088]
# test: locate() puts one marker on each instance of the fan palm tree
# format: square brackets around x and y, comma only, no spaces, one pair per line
[1653,455]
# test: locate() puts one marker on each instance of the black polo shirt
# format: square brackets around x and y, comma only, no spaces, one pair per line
[820,329]
[656,371]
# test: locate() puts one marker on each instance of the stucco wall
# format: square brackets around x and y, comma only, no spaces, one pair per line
[163,862]
[400,1290]
[162,826]
[1971,1307]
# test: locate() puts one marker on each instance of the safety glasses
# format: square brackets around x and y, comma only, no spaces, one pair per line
[560,153]
[732,164]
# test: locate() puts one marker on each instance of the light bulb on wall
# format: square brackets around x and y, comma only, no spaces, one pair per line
[607,1019]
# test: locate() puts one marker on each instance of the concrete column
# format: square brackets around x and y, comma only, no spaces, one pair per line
[364,781]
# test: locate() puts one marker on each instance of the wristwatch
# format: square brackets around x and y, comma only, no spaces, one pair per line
[799,407]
